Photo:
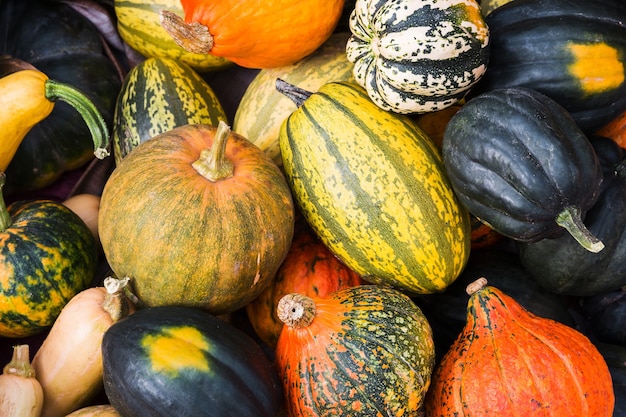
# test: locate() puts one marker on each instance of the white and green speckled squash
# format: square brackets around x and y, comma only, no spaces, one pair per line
[417,56]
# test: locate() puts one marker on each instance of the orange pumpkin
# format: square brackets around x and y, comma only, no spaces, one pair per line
[615,129]
[254,34]
[509,362]
[311,269]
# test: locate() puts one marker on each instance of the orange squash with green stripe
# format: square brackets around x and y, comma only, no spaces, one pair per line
[373,187]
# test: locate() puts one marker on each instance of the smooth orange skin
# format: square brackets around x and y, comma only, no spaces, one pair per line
[265,34]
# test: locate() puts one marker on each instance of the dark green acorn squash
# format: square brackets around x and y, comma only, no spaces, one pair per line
[67,47]
[606,313]
[47,255]
[184,362]
[571,50]
[517,160]
[561,265]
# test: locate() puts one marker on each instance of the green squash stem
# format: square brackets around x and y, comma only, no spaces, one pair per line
[20,363]
[570,218]
[296,94]
[296,310]
[212,163]
[57,91]
[5,217]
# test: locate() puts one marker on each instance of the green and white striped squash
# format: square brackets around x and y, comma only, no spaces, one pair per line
[139,25]
[158,95]
[373,187]
[418,56]
[262,109]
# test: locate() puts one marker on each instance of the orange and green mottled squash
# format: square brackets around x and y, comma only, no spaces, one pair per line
[47,256]
[373,187]
[262,109]
[310,269]
[509,362]
[197,216]
[361,351]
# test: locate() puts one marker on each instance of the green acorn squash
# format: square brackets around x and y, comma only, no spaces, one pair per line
[418,56]
[572,51]
[606,312]
[47,255]
[68,48]
[517,160]
[158,95]
[373,187]
[184,362]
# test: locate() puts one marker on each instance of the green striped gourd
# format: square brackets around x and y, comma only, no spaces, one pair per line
[262,109]
[418,56]
[373,187]
[158,95]
[139,25]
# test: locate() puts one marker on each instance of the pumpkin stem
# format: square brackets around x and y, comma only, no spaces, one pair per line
[5,217]
[115,302]
[193,37]
[20,363]
[475,286]
[213,164]
[571,219]
[296,94]
[296,310]
[57,91]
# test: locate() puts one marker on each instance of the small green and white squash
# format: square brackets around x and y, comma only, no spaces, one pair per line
[418,56]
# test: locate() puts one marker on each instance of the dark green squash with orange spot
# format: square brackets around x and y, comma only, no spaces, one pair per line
[47,255]
[183,362]
[362,351]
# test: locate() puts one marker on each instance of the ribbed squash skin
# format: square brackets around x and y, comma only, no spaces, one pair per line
[516,160]
[418,56]
[180,361]
[508,362]
[262,109]
[138,23]
[572,51]
[374,188]
[47,256]
[186,240]
[368,352]
[158,95]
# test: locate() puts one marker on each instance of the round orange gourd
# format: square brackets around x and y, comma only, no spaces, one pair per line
[196,216]
[254,34]
[311,269]
[507,362]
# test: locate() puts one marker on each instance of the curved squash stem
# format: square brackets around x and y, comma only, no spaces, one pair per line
[115,302]
[193,37]
[20,363]
[5,217]
[212,163]
[296,94]
[571,219]
[57,91]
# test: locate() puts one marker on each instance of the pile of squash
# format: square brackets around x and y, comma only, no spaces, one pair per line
[313,208]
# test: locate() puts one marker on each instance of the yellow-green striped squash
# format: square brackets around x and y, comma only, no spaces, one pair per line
[262,108]
[374,188]
[139,25]
[158,95]
[418,56]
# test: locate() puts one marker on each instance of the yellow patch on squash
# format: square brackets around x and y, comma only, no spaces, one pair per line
[176,349]
[596,66]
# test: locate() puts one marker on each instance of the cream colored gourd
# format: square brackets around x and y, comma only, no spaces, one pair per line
[20,392]
[69,362]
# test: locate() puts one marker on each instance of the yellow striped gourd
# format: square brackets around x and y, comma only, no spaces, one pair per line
[374,188]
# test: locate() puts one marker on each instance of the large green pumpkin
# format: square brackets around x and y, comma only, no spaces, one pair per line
[373,187]
[68,48]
